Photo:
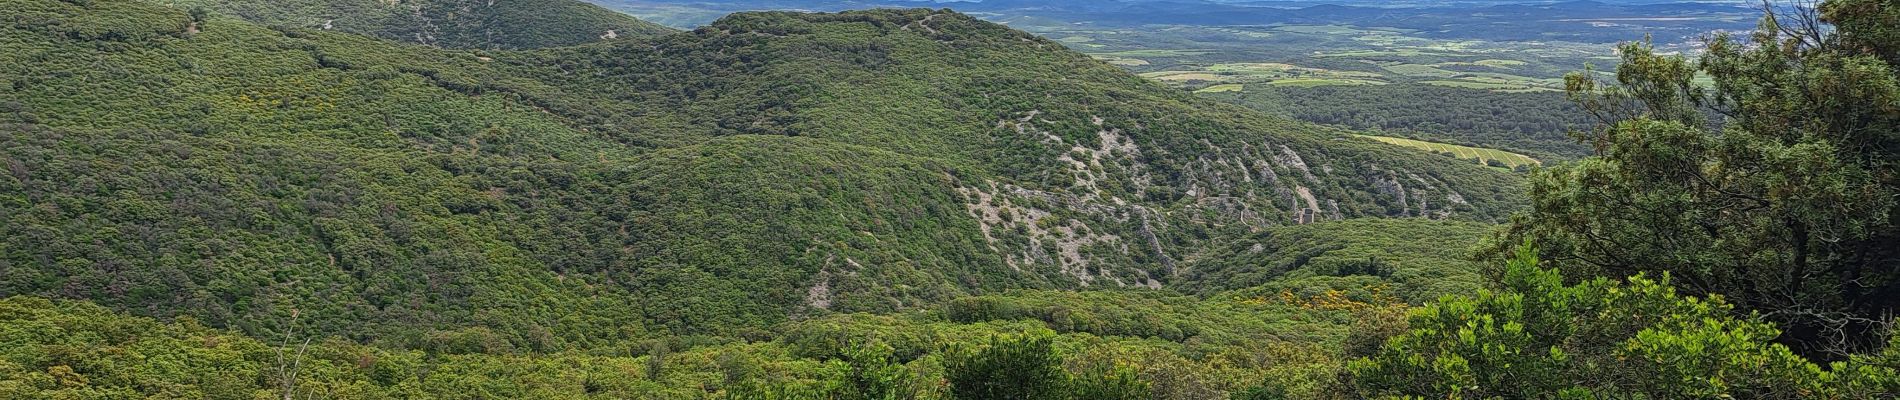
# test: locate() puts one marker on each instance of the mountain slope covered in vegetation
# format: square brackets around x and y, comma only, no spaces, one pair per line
[904,204]
[770,166]
[464,24]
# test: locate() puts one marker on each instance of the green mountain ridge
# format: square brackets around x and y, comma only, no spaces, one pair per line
[769,167]
[469,24]
[904,204]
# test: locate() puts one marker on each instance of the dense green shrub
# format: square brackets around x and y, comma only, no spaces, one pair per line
[1784,204]
[1007,368]
[1536,336]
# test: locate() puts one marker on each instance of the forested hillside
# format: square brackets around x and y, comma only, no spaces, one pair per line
[219,200]
[1538,123]
[769,167]
[462,24]
[1141,343]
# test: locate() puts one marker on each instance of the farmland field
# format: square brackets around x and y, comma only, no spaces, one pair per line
[1493,76]
[1482,87]
[1419,70]
[1195,58]
[1509,159]
[1155,53]
[1230,87]
[1302,82]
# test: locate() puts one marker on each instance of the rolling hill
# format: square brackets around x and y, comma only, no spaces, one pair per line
[466,24]
[898,204]
[766,168]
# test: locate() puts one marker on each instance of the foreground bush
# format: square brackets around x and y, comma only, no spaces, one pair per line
[1535,337]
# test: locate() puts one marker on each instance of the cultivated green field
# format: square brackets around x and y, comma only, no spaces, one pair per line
[1384,53]
[1303,82]
[1338,29]
[1492,85]
[1155,53]
[1499,63]
[1230,87]
[1419,70]
[1482,92]
[1198,58]
[1122,61]
[1229,77]
[1463,152]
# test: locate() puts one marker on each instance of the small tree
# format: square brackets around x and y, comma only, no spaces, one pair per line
[198,14]
[872,373]
[656,360]
[1108,383]
[1007,368]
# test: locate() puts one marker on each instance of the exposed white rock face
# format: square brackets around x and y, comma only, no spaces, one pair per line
[1098,220]
[1029,237]
[819,295]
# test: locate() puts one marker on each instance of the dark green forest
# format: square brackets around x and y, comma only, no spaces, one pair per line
[462,24]
[223,200]
[1537,124]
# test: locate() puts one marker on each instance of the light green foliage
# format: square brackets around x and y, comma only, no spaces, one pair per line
[1108,383]
[60,349]
[1870,375]
[1232,87]
[1507,159]
[1027,367]
[869,372]
[77,350]
[1214,324]
[1351,255]
[1006,368]
[874,374]
[81,351]
[1536,336]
